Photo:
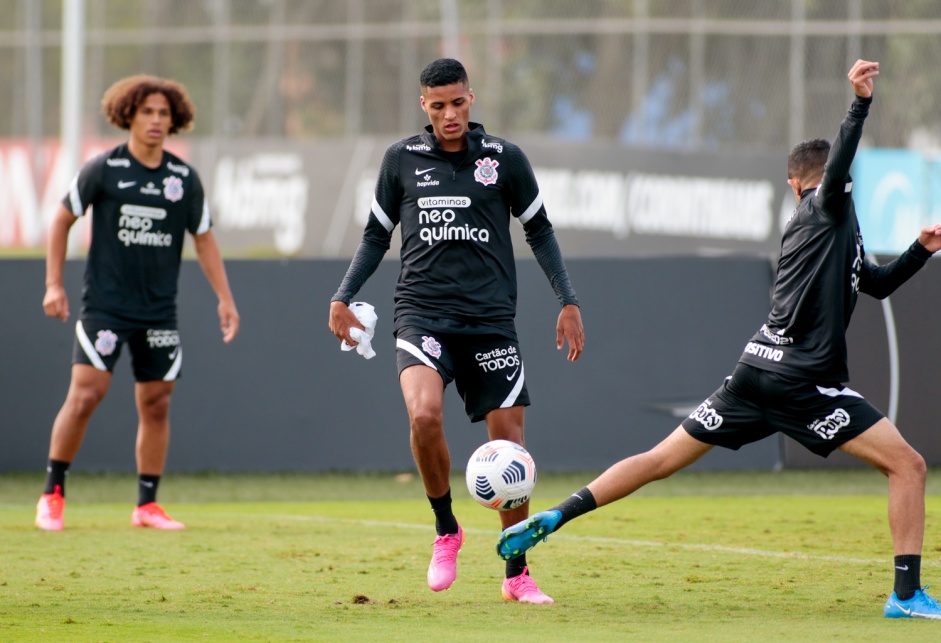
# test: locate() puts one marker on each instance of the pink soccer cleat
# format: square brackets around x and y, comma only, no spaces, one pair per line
[443,568]
[523,588]
[49,510]
[153,515]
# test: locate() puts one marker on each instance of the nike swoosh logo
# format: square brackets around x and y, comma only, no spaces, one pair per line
[147,484]
[173,354]
[417,171]
[903,610]
[513,374]
[904,569]
[126,184]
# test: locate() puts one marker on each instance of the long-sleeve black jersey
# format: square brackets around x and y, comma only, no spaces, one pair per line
[822,268]
[457,253]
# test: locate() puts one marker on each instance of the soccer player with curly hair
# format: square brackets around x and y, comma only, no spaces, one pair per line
[145,200]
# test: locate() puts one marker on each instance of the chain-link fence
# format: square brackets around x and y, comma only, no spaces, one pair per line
[672,74]
[639,116]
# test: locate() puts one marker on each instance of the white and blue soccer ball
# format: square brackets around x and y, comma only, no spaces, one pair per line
[501,475]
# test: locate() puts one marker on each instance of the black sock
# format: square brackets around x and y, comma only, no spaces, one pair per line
[515,566]
[580,502]
[56,471]
[907,575]
[147,489]
[445,522]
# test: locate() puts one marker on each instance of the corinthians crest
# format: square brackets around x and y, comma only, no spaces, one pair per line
[173,188]
[431,346]
[106,343]
[486,171]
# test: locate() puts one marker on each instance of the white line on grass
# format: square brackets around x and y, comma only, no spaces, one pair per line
[746,551]
[612,541]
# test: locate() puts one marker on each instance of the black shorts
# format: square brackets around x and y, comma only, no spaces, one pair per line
[156,353]
[753,404]
[486,368]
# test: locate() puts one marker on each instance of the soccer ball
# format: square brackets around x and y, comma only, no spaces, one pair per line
[501,475]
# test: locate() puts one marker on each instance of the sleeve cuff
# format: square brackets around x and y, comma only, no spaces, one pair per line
[920,252]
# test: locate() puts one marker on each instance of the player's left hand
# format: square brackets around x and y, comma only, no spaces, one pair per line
[56,302]
[228,320]
[569,327]
[930,237]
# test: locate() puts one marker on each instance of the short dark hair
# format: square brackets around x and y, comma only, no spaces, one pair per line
[444,71]
[808,158]
[122,100]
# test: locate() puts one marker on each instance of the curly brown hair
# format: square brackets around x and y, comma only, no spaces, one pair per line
[122,100]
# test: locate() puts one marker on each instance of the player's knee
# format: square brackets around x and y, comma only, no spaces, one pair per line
[915,465]
[83,400]
[156,407]
[426,424]
[907,464]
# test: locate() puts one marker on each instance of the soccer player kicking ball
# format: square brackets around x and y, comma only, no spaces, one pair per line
[789,377]
[453,191]
[145,200]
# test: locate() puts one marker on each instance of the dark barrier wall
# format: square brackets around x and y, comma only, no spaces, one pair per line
[662,334]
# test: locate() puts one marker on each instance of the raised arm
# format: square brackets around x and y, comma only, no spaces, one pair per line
[843,151]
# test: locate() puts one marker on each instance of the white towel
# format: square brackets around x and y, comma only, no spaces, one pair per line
[367,316]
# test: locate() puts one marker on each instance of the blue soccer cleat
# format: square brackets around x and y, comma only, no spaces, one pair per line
[921,605]
[523,536]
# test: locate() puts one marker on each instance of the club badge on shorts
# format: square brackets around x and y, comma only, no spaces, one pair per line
[431,346]
[106,343]
[486,172]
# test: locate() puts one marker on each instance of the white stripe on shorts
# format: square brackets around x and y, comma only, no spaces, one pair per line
[88,347]
[515,393]
[177,363]
[832,392]
[414,350]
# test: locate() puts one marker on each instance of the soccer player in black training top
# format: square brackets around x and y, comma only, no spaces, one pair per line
[789,377]
[453,190]
[144,199]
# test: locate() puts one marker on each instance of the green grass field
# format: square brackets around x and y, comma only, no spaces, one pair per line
[788,556]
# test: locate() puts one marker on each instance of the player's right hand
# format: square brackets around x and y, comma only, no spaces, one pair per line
[861,75]
[341,320]
[56,303]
